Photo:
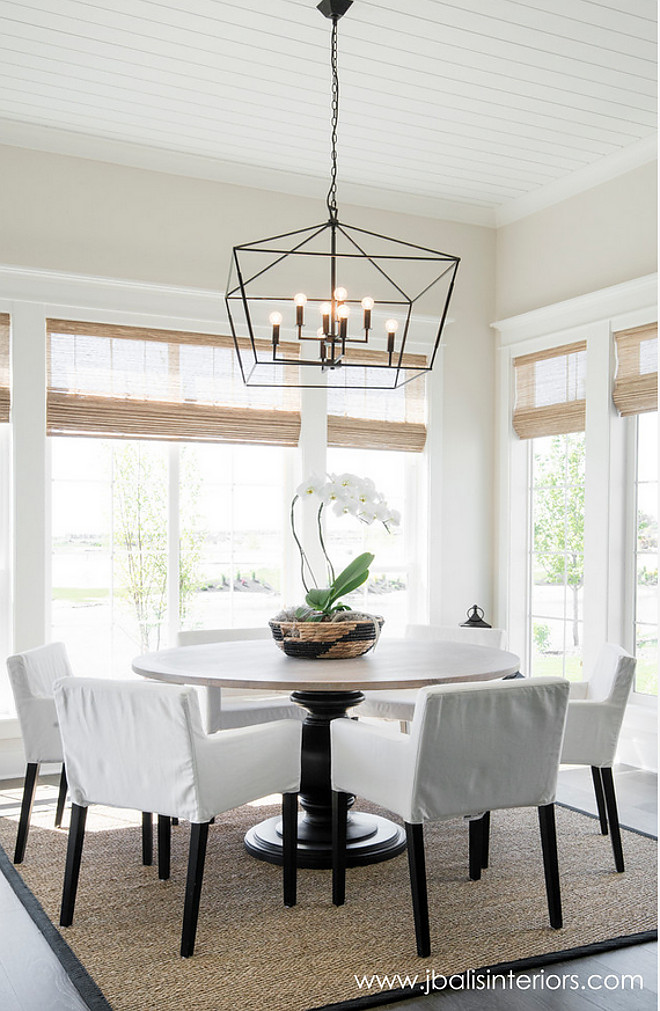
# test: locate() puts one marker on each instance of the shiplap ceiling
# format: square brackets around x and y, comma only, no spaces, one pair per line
[467,106]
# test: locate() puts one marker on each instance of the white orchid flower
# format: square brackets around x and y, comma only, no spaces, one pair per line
[312,486]
[343,508]
[332,490]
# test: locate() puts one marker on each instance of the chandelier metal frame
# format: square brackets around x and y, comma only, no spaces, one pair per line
[262,355]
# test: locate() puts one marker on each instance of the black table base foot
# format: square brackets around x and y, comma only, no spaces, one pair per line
[370,839]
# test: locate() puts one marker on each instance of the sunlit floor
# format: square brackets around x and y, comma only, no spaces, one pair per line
[32,979]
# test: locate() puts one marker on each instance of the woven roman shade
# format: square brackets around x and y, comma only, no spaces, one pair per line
[379,419]
[550,391]
[5,394]
[636,381]
[134,382]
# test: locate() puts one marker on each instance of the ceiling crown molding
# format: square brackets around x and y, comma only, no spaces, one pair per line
[628,158]
[630,296]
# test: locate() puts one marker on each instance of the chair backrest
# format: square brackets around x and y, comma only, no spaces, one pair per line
[612,677]
[202,635]
[495,637]
[486,745]
[130,744]
[32,675]
[212,697]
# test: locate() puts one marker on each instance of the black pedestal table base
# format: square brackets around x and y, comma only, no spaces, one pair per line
[369,838]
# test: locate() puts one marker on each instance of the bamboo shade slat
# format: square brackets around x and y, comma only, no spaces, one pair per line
[550,391]
[636,381]
[5,391]
[134,382]
[363,418]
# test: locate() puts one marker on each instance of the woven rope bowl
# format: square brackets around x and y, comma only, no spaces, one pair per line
[326,640]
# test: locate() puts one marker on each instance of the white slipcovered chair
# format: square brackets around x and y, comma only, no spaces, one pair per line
[399,704]
[32,675]
[222,715]
[472,747]
[137,745]
[593,725]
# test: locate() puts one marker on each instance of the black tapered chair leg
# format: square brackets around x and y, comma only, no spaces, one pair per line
[485,840]
[72,869]
[164,846]
[475,847]
[339,816]
[613,817]
[61,798]
[600,798]
[29,786]
[420,902]
[147,838]
[551,863]
[196,857]
[290,847]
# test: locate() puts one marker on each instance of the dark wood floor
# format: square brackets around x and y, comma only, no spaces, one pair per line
[31,977]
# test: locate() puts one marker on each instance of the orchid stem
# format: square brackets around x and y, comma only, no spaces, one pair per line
[304,561]
[319,523]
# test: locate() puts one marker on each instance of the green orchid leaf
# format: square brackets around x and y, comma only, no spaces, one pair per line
[357,569]
[353,585]
[319,599]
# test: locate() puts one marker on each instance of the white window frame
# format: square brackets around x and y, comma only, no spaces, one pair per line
[596,317]
[630,594]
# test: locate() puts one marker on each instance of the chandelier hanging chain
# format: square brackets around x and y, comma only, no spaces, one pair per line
[331,199]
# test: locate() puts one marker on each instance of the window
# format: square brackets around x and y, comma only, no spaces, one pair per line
[645,554]
[109,551]
[232,516]
[556,564]
[116,592]
[550,411]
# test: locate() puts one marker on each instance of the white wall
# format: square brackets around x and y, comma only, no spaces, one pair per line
[596,239]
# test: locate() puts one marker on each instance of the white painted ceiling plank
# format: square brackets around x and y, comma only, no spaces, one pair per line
[523,124]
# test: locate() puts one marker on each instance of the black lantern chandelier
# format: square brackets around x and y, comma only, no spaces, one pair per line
[351,302]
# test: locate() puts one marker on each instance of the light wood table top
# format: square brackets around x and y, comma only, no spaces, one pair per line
[395,663]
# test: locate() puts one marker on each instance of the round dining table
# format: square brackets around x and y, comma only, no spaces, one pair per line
[327,689]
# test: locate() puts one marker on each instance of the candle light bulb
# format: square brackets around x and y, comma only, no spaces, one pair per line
[392,326]
[275,318]
[368,303]
[343,312]
[300,299]
[340,294]
[324,308]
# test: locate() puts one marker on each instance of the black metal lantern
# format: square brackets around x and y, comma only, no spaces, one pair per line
[475,618]
[366,295]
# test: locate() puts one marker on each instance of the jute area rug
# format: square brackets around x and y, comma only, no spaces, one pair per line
[253,953]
